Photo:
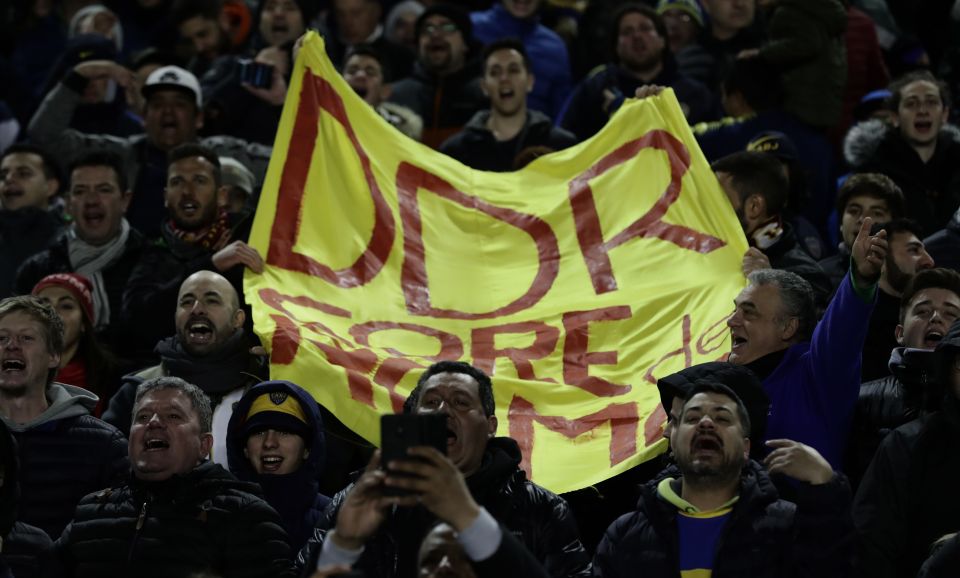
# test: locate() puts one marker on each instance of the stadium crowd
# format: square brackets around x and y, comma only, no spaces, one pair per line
[142,434]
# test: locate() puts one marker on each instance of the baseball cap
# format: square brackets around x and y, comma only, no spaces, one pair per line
[775,143]
[173,77]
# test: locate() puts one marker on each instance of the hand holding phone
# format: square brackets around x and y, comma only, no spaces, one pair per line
[400,432]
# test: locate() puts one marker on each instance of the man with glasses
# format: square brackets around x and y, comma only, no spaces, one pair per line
[444,89]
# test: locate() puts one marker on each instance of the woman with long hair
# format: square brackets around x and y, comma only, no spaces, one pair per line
[84,362]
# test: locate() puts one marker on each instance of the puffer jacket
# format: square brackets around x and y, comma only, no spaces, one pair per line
[907,499]
[806,43]
[65,453]
[887,403]
[205,521]
[931,189]
[25,548]
[765,536]
[295,496]
[538,518]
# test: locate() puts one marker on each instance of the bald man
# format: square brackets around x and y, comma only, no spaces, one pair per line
[208,350]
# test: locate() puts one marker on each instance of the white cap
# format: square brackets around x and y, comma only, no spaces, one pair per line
[172,77]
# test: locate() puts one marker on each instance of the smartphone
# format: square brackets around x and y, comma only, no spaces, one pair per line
[398,432]
[256,74]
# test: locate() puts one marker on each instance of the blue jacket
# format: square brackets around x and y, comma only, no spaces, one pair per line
[547,53]
[294,496]
[814,390]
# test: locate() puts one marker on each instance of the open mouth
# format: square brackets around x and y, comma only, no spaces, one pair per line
[706,443]
[923,125]
[932,338]
[200,331]
[13,365]
[506,93]
[360,90]
[189,208]
[156,444]
[93,217]
[271,463]
[738,341]
[451,437]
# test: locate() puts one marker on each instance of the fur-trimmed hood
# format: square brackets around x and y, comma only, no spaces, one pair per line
[864,138]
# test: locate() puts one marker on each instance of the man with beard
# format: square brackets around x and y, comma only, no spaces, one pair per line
[928,307]
[920,152]
[478,488]
[198,22]
[209,349]
[905,258]
[642,57]
[100,244]
[444,89]
[493,138]
[199,235]
[716,513]
[758,189]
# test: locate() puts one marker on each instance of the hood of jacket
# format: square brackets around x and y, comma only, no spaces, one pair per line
[236,440]
[829,13]
[65,401]
[864,139]
[756,488]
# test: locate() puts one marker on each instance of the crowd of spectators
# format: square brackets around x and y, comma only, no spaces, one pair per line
[141,433]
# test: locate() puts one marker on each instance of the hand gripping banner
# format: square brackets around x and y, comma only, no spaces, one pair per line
[575,282]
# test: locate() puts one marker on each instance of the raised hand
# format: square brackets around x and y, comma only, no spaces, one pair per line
[799,461]
[869,253]
[438,485]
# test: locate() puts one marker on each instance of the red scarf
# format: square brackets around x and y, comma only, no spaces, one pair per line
[213,238]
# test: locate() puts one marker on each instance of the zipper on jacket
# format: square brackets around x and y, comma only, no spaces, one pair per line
[137,528]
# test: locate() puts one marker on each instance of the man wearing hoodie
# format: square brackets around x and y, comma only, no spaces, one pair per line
[493,138]
[928,307]
[275,438]
[717,513]
[65,453]
[501,499]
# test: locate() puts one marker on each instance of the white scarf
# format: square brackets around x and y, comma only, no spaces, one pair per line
[90,260]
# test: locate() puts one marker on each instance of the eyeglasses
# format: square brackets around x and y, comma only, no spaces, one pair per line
[445,29]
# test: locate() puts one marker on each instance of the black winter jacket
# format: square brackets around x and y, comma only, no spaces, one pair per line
[25,547]
[888,403]
[205,521]
[944,245]
[64,455]
[56,259]
[908,497]
[765,536]
[538,518]
[787,255]
[931,189]
[476,147]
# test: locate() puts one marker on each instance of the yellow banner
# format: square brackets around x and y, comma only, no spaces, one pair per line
[575,282]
